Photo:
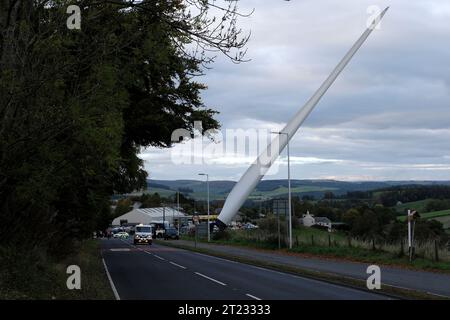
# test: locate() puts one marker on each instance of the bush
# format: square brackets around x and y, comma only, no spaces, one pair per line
[221,235]
[270,224]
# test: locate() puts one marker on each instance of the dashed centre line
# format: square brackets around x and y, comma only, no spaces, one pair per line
[209,278]
[177,265]
[252,296]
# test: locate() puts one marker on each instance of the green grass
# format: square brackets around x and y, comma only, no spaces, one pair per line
[284,191]
[31,275]
[331,245]
[255,195]
[415,205]
[373,256]
[430,215]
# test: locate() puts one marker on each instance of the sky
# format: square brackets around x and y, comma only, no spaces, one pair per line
[386,117]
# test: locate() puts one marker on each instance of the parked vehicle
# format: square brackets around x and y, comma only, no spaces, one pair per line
[249,226]
[171,233]
[121,235]
[143,234]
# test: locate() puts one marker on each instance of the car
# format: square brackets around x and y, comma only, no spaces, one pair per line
[121,235]
[250,226]
[171,233]
[143,234]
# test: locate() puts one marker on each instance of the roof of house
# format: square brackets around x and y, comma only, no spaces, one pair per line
[322,220]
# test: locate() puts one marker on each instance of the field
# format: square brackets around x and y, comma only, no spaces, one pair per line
[416,205]
[255,195]
[442,216]
[445,220]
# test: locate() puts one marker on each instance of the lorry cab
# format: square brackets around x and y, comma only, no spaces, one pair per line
[143,234]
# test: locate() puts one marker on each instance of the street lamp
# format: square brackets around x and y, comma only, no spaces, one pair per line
[207,192]
[289,186]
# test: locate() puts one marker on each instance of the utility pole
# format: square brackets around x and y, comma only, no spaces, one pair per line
[289,187]
[207,192]
[411,216]
[164,216]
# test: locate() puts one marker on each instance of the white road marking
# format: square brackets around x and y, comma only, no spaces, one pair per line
[177,265]
[270,270]
[113,287]
[119,249]
[209,278]
[214,257]
[160,258]
[252,296]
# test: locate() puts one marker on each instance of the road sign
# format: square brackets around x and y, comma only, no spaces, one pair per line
[280,207]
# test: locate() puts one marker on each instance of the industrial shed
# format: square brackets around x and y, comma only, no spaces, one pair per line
[149,215]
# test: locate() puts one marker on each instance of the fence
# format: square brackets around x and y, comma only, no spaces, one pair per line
[431,250]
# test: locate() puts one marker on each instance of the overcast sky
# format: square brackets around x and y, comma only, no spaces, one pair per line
[386,117]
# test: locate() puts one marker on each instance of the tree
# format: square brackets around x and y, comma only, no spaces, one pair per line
[150,200]
[123,206]
[328,195]
[366,225]
[78,105]
[350,216]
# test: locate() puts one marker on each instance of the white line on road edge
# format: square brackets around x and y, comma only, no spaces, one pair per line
[214,257]
[113,287]
[252,296]
[160,258]
[177,265]
[216,281]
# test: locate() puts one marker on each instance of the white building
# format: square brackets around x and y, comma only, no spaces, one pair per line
[309,220]
[149,215]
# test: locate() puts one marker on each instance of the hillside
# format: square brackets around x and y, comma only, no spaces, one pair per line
[273,188]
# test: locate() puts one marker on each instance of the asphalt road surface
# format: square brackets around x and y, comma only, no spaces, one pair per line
[425,281]
[160,272]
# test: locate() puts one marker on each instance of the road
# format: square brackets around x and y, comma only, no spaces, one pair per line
[425,281]
[159,272]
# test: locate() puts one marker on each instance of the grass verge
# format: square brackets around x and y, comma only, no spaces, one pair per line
[32,275]
[390,291]
[341,252]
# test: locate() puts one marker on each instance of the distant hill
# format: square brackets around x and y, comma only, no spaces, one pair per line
[219,189]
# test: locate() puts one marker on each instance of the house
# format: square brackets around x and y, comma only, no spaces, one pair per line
[323,222]
[309,220]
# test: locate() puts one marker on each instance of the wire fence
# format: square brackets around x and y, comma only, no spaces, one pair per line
[432,250]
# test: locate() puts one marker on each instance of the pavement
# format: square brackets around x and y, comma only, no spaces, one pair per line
[429,282]
[159,272]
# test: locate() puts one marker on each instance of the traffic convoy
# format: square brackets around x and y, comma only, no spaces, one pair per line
[144,234]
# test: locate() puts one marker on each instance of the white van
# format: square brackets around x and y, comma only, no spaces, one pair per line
[143,234]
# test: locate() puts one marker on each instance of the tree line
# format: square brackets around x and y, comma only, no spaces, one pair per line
[77,106]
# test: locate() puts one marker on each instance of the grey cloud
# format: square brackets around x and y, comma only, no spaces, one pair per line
[384,117]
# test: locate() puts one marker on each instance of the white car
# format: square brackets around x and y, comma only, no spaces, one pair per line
[143,234]
[121,235]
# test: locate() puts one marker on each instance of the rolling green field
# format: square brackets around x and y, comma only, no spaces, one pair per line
[445,220]
[255,195]
[429,215]
[442,216]
[415,205]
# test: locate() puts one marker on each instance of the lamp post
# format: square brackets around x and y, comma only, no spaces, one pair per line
[207,192]
[289,186]
[178,210]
